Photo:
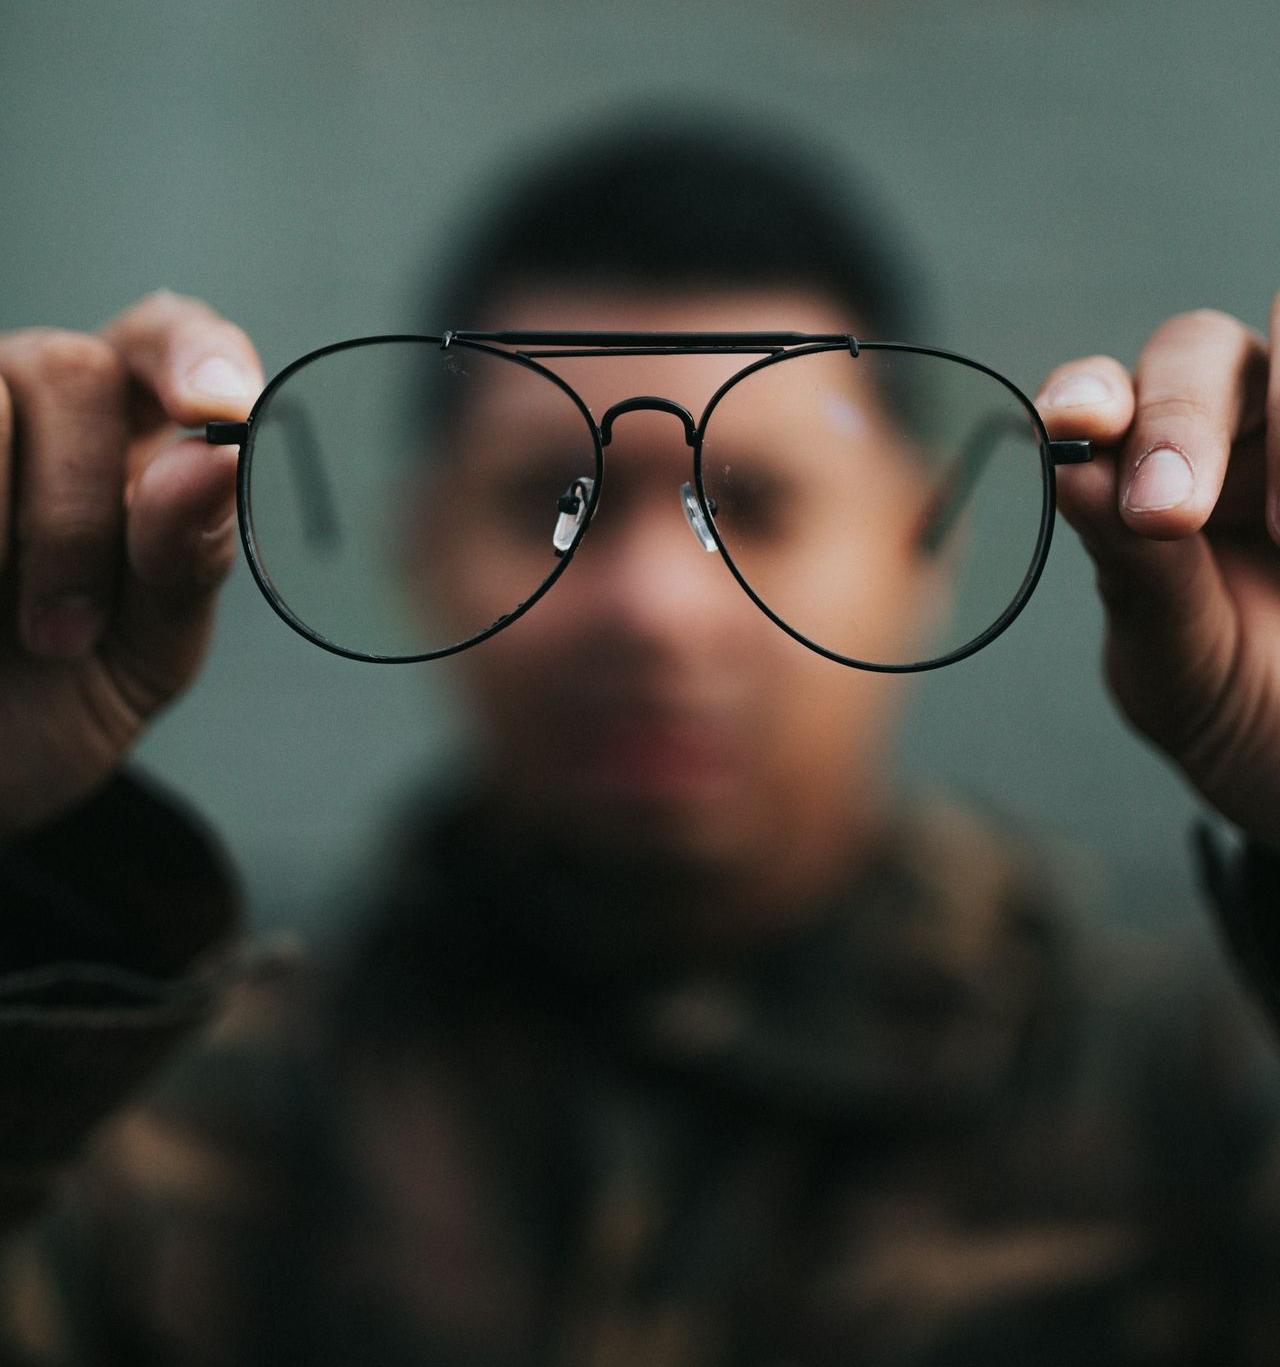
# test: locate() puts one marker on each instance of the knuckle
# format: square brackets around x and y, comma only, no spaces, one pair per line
[65,528]
[1196,325]
[1181,409]
[74,362]
[1212,318]
[163,303]
[158,299]
[154,317]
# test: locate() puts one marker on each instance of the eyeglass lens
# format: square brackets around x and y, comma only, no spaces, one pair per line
[832,474]
[404,499]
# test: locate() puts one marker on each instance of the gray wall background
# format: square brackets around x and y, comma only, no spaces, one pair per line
[1072,171]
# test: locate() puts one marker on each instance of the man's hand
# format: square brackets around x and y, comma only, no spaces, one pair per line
[1180,510]
[115,530]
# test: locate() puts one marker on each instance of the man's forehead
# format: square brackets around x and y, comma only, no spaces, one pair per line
[708,308]
[688,380]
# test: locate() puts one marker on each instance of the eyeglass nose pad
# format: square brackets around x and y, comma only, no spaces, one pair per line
[694,516]
[572,505]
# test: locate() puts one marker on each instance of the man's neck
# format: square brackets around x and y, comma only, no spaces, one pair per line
[617,904]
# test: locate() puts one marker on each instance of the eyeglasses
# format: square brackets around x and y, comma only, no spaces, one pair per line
[403,498]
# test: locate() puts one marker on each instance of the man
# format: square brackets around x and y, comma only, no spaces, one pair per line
[678,1037]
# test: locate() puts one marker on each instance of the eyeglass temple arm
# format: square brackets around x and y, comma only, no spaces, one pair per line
[962,477]
[315,493]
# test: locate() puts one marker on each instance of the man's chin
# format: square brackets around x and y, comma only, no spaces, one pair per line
[686,826]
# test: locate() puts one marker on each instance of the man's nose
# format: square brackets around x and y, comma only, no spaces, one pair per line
[645,558]
[644,568]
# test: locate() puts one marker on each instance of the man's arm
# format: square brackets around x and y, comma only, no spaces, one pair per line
[115,532]
[120,923]
[1180,512]
[141,1140]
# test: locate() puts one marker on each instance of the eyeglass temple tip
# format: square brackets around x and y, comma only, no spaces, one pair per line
[226,433]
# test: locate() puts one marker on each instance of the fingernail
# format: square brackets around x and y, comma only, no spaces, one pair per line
[1075,391]
[64,628]
[218,378]
[1162,479]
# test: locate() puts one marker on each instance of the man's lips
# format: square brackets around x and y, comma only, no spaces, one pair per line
[650,758]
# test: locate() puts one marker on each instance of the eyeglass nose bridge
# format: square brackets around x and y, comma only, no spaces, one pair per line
[651,403]
[688,499]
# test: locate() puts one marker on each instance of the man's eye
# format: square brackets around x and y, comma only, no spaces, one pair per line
[752,501]
[525,500]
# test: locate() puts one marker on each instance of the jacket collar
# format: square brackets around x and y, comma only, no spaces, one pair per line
[911,995]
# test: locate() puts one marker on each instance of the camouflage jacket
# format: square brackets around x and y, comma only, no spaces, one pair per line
[949,1123]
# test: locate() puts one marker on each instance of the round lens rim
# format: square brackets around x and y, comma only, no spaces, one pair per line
[244,513]
[1044,535]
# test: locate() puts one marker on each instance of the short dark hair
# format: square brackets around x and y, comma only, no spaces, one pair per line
[686,200]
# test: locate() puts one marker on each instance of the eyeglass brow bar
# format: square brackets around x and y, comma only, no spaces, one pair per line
[653,343]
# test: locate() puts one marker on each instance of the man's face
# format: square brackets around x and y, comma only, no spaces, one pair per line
[645,706]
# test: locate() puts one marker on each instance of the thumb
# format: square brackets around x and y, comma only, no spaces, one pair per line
[1171,624]
[180,544]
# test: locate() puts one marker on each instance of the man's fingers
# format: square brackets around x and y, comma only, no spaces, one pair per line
[68,396]
[182,519]
[6,471]
[1091,399]
[1088,400]
[196,364]
[1149,586]
[82,407]
[1200,384]
[1170,620]
[181,542]
[1273,427]
[1196,398]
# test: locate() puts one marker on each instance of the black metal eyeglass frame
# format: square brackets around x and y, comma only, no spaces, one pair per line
[531,348]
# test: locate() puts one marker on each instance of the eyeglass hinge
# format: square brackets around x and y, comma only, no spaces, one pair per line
[853,346]
[226,433]
[447,340]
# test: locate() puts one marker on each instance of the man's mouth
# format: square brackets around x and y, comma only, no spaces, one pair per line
[650,758]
